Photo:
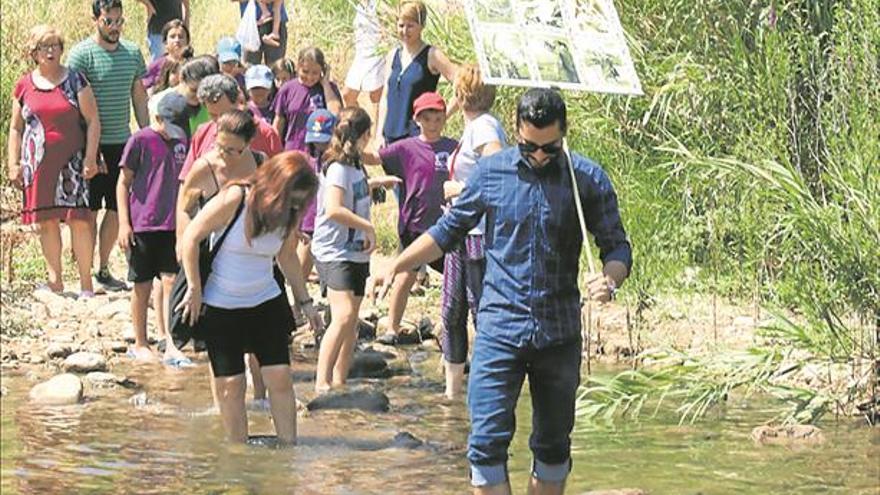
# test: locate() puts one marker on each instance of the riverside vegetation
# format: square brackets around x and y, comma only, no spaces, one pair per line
[747,173]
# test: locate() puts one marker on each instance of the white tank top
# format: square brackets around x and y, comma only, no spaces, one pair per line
[241,275]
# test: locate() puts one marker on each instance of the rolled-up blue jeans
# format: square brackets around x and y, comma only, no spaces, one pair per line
[497,373]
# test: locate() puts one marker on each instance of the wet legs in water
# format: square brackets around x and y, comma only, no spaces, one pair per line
[337,346]
[231,391]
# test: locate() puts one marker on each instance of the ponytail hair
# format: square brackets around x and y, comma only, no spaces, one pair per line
[353,123]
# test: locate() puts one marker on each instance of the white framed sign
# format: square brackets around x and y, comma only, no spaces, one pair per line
[569,44]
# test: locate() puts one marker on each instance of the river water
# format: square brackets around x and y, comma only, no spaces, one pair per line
[172,444]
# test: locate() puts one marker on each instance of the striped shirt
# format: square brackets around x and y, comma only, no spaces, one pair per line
[111,74]
[532,243]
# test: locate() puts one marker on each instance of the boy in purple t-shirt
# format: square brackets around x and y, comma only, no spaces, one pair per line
[147,194]
[421,162]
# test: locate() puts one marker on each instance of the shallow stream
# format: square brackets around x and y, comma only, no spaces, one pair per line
[172,444]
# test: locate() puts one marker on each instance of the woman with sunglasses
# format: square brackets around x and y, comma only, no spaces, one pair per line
[231,159]
[52,154]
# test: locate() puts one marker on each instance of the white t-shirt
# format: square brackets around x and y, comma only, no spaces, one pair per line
[332,241]
[478,132]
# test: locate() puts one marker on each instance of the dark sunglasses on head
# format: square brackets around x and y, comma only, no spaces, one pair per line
[549,148]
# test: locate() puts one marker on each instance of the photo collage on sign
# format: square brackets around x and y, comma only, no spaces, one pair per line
[570,44]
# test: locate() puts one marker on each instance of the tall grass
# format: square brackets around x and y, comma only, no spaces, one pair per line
[753,156]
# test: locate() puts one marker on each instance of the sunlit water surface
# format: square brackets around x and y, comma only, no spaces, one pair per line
[174,445]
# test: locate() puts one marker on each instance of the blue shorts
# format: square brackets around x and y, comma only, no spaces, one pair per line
[497,373]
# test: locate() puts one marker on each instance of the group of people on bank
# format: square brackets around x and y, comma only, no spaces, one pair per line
[268,161]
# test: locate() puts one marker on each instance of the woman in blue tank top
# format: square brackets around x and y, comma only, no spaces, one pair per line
[414,68]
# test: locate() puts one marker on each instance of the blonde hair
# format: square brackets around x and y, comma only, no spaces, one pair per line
[413,10]
[472,94]
[42,34]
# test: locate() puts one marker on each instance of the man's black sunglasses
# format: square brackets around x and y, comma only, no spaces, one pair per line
[549,148]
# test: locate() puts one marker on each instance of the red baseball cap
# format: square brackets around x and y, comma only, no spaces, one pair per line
[428,101]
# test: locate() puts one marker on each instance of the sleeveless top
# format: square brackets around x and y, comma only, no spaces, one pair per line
[404,86]
[242,273]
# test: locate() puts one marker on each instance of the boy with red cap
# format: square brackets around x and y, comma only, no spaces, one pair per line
[421,162]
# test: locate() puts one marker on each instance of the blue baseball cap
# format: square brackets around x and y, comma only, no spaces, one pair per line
[228,49]
[319,127]
[258,76]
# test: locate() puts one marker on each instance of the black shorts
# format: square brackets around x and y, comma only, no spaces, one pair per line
[407,238]
[102,187]
[261,330]
[151,255]
[343,276]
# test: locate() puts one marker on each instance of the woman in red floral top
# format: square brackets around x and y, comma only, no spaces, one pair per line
[53,149]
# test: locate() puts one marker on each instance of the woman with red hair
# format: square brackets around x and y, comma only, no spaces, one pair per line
[241,308]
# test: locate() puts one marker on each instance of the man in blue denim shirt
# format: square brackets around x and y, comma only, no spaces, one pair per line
[529,315]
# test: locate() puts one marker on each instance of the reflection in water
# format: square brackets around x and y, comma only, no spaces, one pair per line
[172,444]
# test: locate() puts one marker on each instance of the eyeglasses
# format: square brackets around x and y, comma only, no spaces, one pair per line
[118,22]
[227,150]
[528,147]
[54,47]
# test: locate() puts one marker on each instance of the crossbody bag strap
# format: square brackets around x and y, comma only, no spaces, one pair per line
[216,248]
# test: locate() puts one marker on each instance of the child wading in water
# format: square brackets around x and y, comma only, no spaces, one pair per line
[421,163]
[147,194]
[343,241]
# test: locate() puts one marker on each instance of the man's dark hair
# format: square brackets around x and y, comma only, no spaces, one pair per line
[541,107]
[99,6]
[199,68]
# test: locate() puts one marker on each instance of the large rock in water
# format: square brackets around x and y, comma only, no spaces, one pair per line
[369,365]
[59,390]
[366,400]
[84,362]
[787,435]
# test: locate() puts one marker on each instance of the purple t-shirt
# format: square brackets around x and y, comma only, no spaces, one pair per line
[307,226]
[423,168]
[295,102]
[156,163]
[267,114]
[154,70]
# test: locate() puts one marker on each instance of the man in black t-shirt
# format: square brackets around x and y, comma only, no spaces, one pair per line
[159,12]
